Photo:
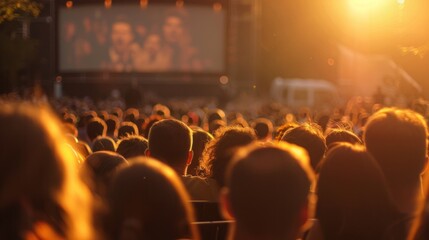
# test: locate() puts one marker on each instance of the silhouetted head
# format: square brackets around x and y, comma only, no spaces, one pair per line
[100,167]
[40,189]
[132,146]
[127,129]
[103,144]
[268,189]
[112,123]
[96,127]
[148,201]
[353,197]
[341,135]
[219,151]
[263,128]
[171,142]
[398,141]
[310,137]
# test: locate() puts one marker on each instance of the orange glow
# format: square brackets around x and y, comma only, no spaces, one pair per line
[331,61]
[217,7]
[144,3]
[69,4]
[107,3]
[366,6]
[224,80]
[180,3]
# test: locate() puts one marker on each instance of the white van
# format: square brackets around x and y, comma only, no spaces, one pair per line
[313,93]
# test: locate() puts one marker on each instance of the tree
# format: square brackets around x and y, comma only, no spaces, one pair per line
[17,50]
[12,9]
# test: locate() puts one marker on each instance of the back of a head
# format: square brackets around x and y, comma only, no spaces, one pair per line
[112,123]
[341,135]
[96,127]
[39,182]
[132,146]
[148,124]
[127,129]
[351,187]
[216,114]
[103,144]
[263,128]
[161,110]
[310,137]
[215,125]
[131,115]
[170,141]
[269,187]
[148,201]
[219,151]
[280,131]
[100,166]
[398,141]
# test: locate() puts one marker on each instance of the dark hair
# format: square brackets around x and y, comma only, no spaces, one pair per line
[170,141]
[284,128]
[118,113]
[216,114]
[127,129]
[112,123]
[398,141]
[269,186]
[353,198]
[131,115]
[103,143]
[100,167]
[263,128]
[132,146]
[341,135]
[219,151]
[96,127]
[148,201]
[152,120]
[310,137]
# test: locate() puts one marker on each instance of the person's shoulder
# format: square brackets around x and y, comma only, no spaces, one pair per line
[200,188]
[194,179]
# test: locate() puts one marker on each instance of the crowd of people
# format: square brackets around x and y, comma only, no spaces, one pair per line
[75,171]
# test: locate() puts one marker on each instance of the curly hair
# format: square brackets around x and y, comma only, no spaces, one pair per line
[218,152]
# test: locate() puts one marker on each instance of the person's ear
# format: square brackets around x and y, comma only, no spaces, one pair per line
[190,156]
[225,204]
[147,152]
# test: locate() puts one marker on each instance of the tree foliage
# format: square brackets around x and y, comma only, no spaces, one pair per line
[12,9]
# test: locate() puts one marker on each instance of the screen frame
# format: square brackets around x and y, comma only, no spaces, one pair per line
[203,77]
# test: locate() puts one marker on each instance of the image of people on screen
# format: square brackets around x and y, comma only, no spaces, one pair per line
[138,43]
